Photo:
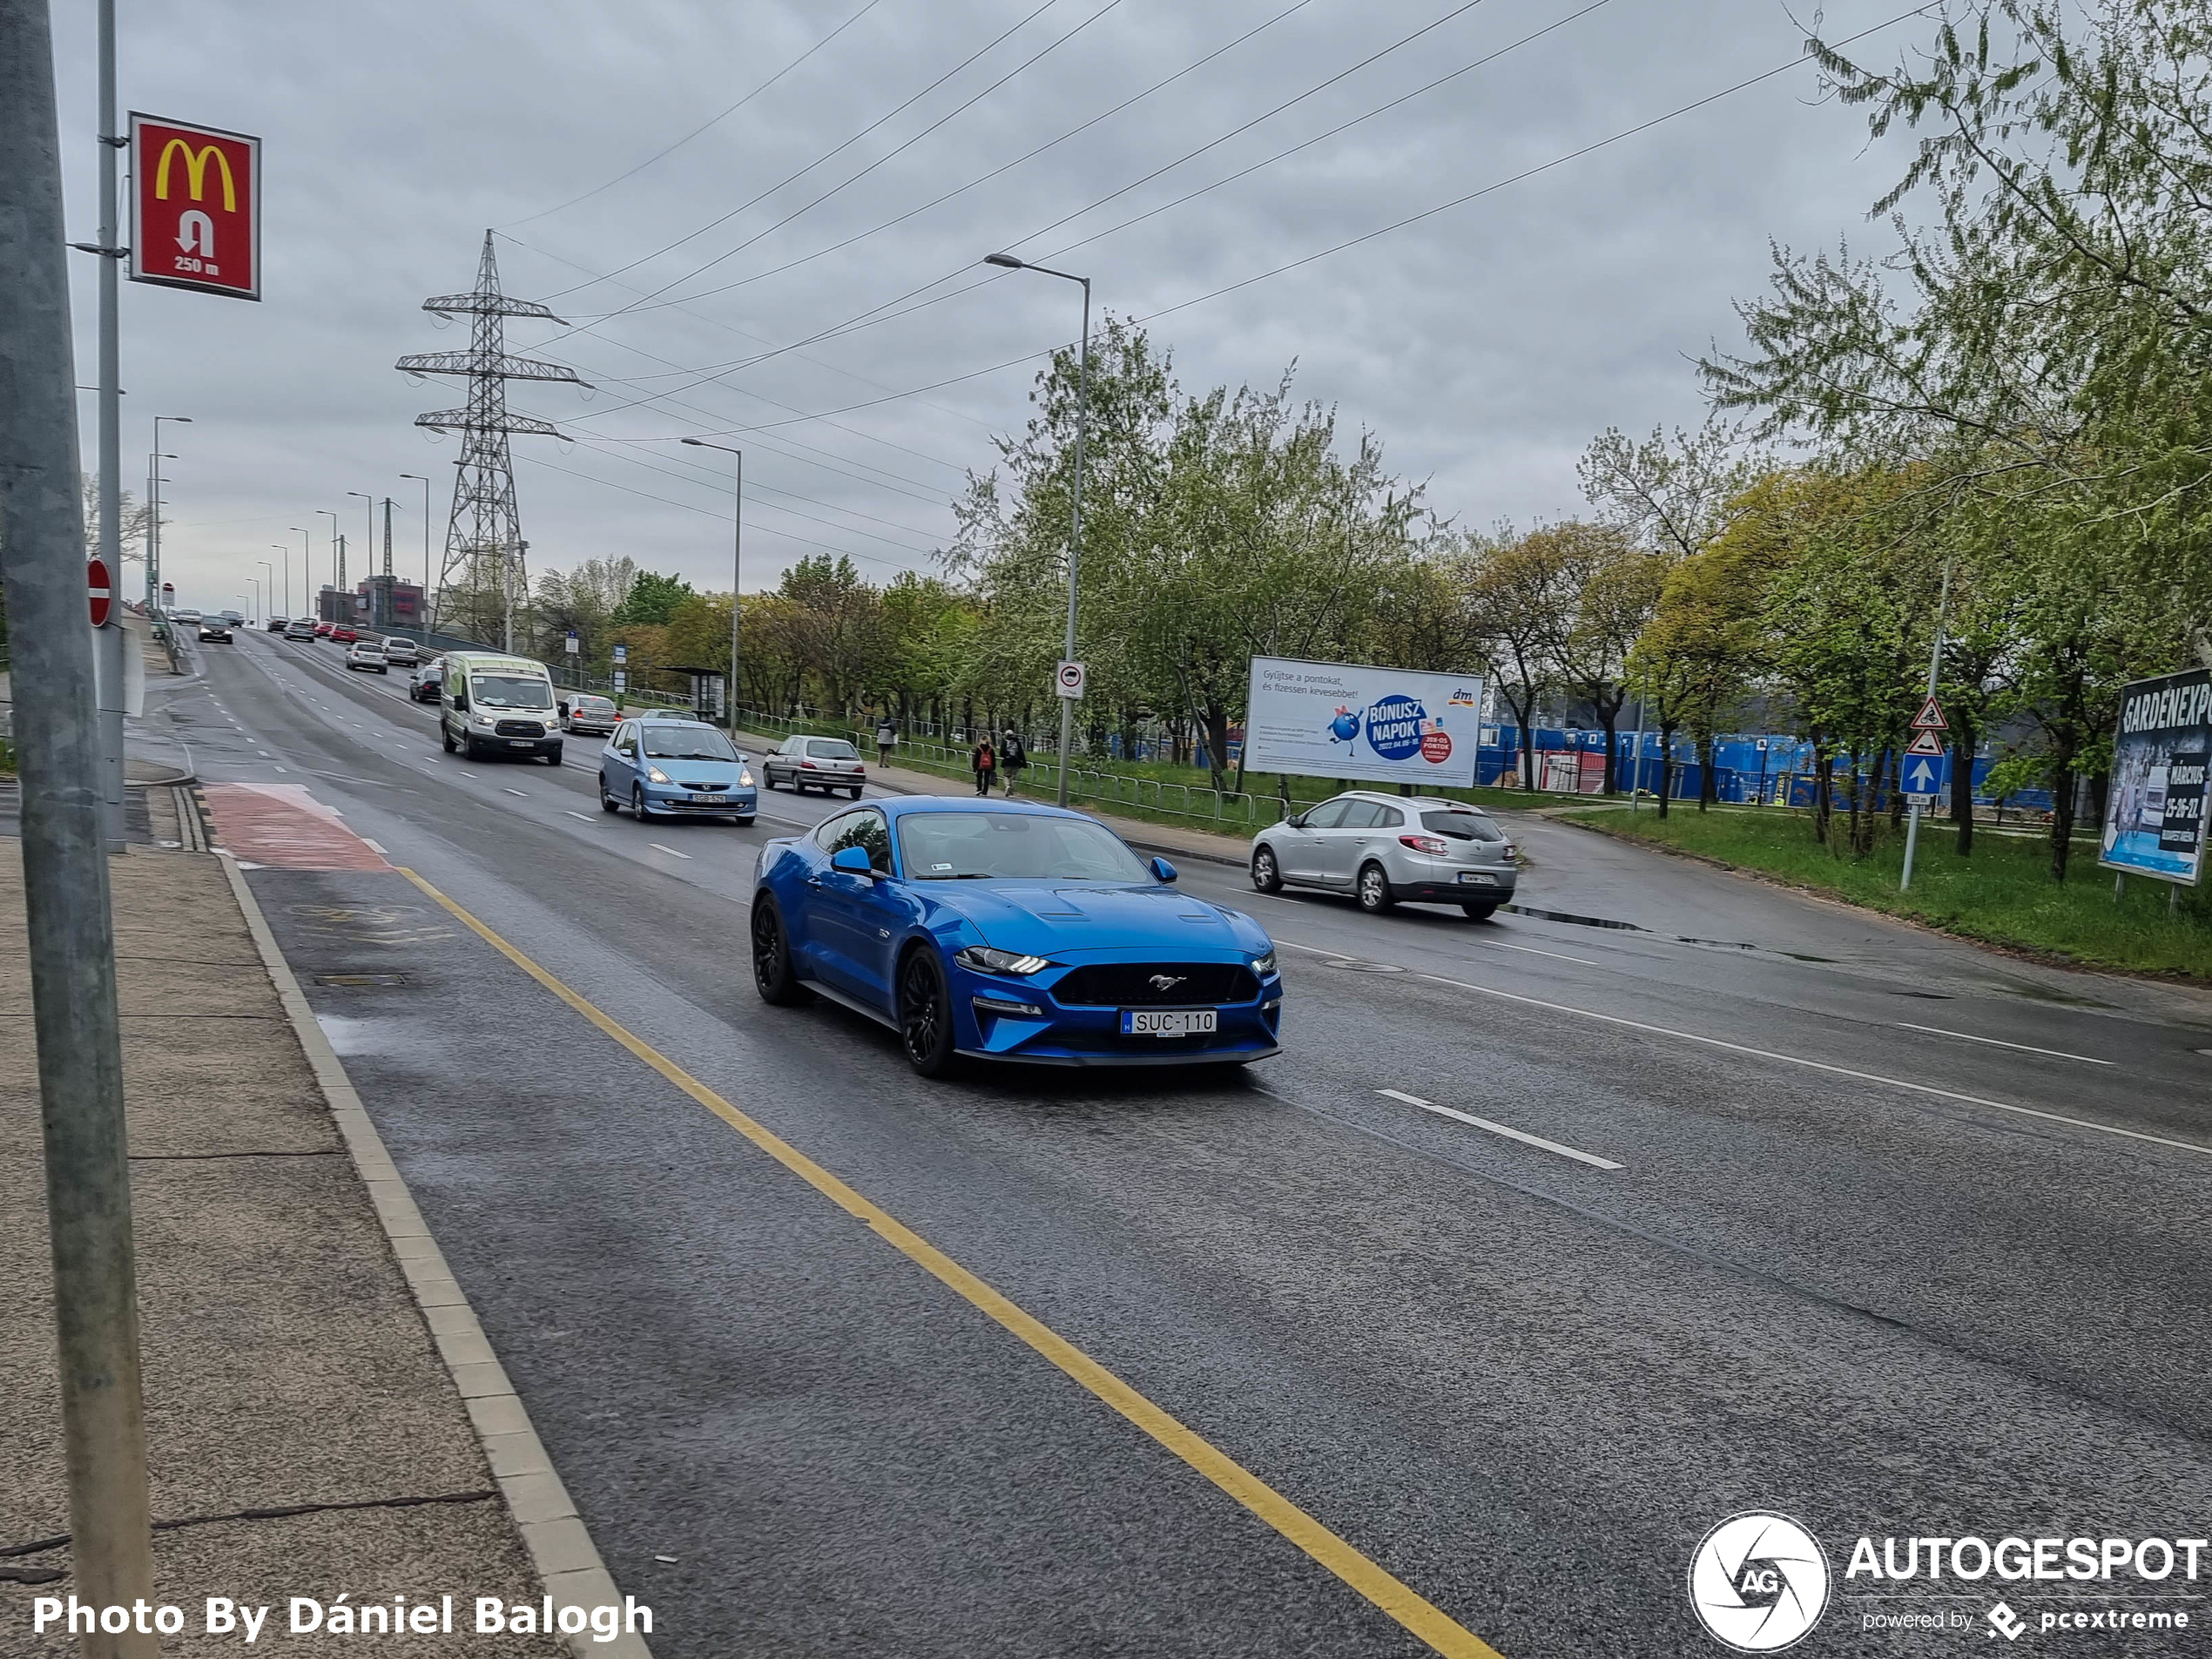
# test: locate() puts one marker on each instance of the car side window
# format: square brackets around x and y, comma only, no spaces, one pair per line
[1388,818]
[1360,815]
[1328,815]
[865,828]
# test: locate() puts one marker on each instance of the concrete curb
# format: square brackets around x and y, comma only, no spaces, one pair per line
[567,1561]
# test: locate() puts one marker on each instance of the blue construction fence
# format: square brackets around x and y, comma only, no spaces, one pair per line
[1771,768]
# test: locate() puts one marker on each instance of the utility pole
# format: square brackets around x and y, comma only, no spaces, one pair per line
[65,863]
[1935,665]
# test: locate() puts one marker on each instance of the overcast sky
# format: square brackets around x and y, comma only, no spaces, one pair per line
[1485,345]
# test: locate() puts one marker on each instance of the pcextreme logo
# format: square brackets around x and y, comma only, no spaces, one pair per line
[1758,1582]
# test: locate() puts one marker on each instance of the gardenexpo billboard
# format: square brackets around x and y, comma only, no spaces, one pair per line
[1386,725]
[2154,818]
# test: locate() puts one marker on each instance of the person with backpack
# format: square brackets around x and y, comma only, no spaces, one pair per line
[1012,758]
[985,762]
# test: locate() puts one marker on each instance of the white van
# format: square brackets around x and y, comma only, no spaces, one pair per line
[495,704]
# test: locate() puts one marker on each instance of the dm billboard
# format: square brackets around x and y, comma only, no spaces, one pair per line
[1387,726]
[2154,818]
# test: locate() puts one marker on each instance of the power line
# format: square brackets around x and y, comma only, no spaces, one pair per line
[716,121]
[752,488]
[818,161]
[1412,218]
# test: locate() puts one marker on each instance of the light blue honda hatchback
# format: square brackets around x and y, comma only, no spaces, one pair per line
[675,768]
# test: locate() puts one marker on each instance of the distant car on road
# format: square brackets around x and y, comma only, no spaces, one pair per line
[341,635]
[401,652]
[1386,849]
[680,768]
[278,624]
[367,653]
[423,684]
[804,762]
[489,704]
[299,628]
[236,618]
[586,711]
[322,630]
[189,618]
[1006,930]
[215,629]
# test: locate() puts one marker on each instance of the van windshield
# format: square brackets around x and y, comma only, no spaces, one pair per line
[510,691]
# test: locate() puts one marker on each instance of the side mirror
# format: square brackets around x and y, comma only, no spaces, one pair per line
[1163,869]
[1295,821]
[852,861]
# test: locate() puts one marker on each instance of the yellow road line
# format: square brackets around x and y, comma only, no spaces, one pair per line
[1399,1601]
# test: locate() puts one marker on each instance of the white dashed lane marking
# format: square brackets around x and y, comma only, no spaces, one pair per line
[1522,1135]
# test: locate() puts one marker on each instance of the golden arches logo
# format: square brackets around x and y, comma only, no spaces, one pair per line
[195,173]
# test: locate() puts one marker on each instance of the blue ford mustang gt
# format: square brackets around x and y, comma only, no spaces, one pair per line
[1004,930]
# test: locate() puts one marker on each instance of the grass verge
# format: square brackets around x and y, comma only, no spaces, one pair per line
[2002,895]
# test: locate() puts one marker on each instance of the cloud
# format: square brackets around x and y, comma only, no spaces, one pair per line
[1485,346]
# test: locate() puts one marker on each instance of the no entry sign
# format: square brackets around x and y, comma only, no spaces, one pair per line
[97,593]
[195,207]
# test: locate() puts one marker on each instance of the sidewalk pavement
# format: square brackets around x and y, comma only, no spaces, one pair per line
[307,1430]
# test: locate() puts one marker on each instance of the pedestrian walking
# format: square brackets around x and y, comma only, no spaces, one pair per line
[1012,758]
[887,736]
[985,763]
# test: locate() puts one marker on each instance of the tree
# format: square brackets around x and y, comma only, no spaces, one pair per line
[1611,588]
[1524,593]
[652,599]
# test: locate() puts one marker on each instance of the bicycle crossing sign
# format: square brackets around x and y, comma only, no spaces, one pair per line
[1930,719]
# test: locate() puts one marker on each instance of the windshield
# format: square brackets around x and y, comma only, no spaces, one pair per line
[687,743]
[950,846]
[832,749]
[510,691]
[1461,827]
[596,705]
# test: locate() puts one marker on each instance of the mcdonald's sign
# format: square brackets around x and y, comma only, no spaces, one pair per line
[195,207]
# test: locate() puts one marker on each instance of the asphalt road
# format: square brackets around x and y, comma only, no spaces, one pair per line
[1903,1238]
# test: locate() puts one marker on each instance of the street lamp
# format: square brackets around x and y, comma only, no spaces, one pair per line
[1008,262]
[324,512]
[153,516]
[423,621]
[306,568]
[253,583]
[737,549]
[287,552]
[271,569]
[369,552]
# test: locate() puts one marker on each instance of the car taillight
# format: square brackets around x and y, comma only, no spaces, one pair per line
[1428,843]
[807,764]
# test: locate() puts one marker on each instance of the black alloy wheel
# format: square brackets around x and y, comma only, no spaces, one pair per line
[924,1014]
[1265,877]
[773,974]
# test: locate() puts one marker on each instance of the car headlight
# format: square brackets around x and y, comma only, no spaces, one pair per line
[982,958]
[482,720]
[744,780]
[1264,966]
[657,774]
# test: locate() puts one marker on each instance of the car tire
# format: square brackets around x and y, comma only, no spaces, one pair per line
[926,1014]
[468,748]
[1480,912]
[383,670]
[638,810]
[607,803]
[1374,889]
[554,758]
[1267,876]
[744,822]
[773,976]
[855,792]
[446,737]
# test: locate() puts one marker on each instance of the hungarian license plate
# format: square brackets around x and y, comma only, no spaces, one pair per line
[1167,1022]
[704,801]
[1477,879]
[522,743]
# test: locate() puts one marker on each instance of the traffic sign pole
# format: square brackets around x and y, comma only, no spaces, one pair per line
[1927,710]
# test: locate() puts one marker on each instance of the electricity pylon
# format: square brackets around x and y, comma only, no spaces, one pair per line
[485,575]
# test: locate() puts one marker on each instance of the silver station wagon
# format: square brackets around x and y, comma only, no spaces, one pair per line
[1389,849]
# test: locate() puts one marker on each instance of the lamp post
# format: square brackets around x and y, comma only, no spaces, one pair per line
[369,546]
[307,564]
[737,554]
[153,504]
[324,512]
[269,596]
[1007,262]
[425,543]
[253,583]
[280,547]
